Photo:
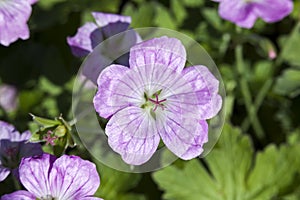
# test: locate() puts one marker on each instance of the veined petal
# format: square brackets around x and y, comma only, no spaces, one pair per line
[182,135]
[19,195]
[81,44]
[108,100]
[206,87]
[161,51]
[34,173]
[4,172]
[13,21]
[273,10]
[73,178]
[132,133]
[103,19]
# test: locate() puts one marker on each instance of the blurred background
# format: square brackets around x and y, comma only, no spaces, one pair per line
[257,156]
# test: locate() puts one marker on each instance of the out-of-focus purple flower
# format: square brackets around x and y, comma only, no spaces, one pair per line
[14,15]
[91,34]
[13,147]
[8,97]
[245,12]
[157,98]
[64,178]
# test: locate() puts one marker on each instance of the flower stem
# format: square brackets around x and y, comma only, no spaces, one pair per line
[267,85]
[16,183]
[245,90]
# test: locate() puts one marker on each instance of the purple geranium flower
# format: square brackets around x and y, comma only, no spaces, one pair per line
[64,178]
[91,34]
[245,12]
[14,15]
[8,97]
[156,97]
[13,147]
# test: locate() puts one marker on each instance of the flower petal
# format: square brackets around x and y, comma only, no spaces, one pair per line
[13,17]
[81,44]
[19,195]
[32,1]
[30,149]
[162,51]
[184,136]
[273,10]
[132,133]
[107,101]
[4,172]
[206,87]
[237,11]
[34,173]
[8,131]
[8,97]
[72,177]
[103,19]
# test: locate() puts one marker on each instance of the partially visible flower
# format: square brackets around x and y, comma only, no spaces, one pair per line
[65,178]
[13,147]
[157,98]
[91,34]
[245,12]
[8,97]
[14,15]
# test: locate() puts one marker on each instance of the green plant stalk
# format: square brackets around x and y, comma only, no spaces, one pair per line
[245,90]
[266,87]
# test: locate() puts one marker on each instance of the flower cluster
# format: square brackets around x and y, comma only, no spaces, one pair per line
[157,98]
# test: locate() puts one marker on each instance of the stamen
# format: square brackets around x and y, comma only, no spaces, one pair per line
[49,138]
[157,102]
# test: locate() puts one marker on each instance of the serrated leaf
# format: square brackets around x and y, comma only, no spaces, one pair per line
[232,172]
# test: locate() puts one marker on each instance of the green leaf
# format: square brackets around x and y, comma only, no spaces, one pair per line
[232,172]
[48,87]
[288,83]
[163,18]
[141,16]
[116,184]
[29,99]
[211,15]
[47,4]
[46,123]
[178,11]
[193,3]
[291,47]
